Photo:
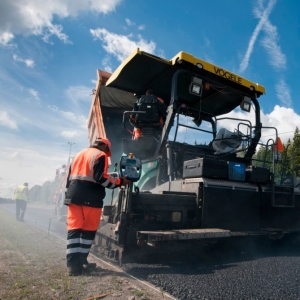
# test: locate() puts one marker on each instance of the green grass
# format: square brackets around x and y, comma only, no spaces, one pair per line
[139,293]
[116,282]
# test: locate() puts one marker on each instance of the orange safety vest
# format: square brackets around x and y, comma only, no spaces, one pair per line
[83,168]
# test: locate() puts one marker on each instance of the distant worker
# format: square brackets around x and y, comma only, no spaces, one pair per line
[54,199]
[86,183]
[21,196]
[155,114]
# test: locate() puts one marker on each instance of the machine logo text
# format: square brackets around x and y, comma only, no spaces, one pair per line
[228,75]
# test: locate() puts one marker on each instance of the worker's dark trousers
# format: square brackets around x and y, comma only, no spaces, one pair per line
[20,207]
[79,243]
[83,222]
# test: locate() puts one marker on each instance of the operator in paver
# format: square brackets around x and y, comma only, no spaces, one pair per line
[158,117]
[86,183]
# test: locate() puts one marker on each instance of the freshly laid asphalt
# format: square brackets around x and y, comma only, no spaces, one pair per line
[240,268]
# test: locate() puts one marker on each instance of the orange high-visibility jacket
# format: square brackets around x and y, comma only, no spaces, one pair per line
[88,178]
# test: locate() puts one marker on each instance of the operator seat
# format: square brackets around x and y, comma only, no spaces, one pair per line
[150,122]
[226,141]
[148,104]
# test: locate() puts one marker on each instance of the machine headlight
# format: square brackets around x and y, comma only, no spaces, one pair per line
[246,104]
[196,86]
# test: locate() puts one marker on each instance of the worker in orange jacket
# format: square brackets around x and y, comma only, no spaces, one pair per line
[86,183]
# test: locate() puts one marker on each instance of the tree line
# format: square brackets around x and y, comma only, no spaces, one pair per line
[43,193]
[288,163]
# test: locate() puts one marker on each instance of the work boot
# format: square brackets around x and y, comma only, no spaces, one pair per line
[85,263]
[75,271]
[22,216]
[88,265]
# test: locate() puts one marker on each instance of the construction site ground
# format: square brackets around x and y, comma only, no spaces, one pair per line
[33,266]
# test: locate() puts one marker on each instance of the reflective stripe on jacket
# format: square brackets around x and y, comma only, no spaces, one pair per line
[21,193]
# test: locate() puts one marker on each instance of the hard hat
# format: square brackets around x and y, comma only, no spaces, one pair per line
[107,143]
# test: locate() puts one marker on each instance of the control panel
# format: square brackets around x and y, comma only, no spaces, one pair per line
[131,167]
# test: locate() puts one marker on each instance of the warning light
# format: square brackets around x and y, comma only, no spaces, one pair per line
[206,86]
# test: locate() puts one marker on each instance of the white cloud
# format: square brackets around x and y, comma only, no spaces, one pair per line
[55,30]
[277,58]
[36,166]
[120,45]
[270,42]
[68,134]
[282,118]
[71,116]
[129,22]
[76,119]
[28,62]
[263,19]
[5,38]
[6,120]
[7,189]
[283,93]
[106,64]
[79,93]
[15,156]
[34,93]
[36,16]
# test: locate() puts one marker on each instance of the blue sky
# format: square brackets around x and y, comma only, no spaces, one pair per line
[50,51]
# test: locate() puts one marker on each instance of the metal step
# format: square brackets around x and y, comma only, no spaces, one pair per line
[182,234]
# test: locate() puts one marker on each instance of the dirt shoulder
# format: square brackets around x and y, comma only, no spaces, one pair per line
[33,266]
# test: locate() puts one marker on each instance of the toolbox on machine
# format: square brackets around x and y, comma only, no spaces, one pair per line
[236,171]
[205,167]
[258,174]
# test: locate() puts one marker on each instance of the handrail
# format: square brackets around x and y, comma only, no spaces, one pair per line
[130,112]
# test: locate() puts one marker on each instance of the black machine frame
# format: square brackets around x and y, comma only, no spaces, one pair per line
[178,208]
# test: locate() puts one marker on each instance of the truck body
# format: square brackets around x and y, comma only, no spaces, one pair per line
[197,179]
